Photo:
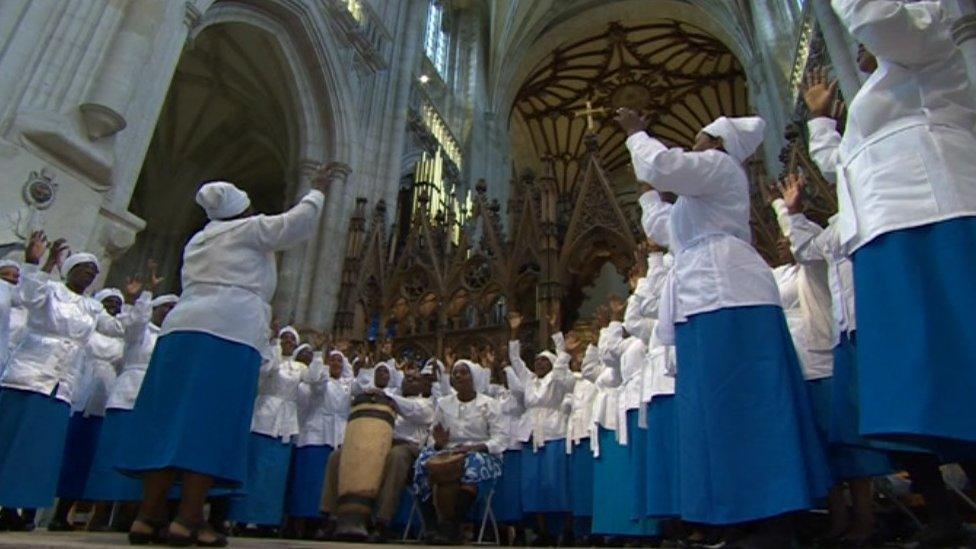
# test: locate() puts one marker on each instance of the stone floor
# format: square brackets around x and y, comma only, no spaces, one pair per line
[84,540]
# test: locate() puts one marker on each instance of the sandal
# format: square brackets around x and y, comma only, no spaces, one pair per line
[157,535]
[174,540]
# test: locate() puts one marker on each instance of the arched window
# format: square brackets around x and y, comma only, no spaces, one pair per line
[435,38]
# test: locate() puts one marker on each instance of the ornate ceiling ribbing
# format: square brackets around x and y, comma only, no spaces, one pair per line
[675,72]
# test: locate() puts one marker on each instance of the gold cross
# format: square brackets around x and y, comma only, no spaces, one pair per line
[588,113]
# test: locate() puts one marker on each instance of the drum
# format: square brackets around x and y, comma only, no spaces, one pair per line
[444,468]
[369,436]
[445,472]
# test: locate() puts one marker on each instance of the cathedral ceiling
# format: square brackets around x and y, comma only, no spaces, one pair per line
[675,72]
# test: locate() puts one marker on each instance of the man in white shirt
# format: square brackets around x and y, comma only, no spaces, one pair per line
[415,413]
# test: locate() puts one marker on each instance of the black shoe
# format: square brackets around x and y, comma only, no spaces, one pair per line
[156,535]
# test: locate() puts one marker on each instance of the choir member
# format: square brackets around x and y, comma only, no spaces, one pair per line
[192,418]
[725,318]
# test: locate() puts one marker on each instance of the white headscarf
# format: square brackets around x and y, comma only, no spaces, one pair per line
[289,330]
[347,372]
[480,375]
[548,355]
[396,376]
[105,293]
[428,369]
[4,263]
[77,259]
[165,299]
[741,136]
[300,348]
[222,200]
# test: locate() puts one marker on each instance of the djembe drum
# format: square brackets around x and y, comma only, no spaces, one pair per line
[445,472]
[368,439]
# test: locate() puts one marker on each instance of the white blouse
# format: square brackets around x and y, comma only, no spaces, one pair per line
[906,158]
[324,411]
[140,340]
[810,242]
[229,273]
[103,362]
[579,404]
[415,415]
[510,402]
[59,325]
[476,422]
[276,406]
[545,418]
[716,266]
[816,365]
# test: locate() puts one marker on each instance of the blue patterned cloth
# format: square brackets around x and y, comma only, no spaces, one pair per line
[478,467]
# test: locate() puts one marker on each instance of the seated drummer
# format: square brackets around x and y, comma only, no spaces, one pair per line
[465,423]
[415,413]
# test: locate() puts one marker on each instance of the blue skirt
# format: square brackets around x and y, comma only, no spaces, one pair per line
[846,462]
[33,428]
[581,479]
[745,419]
[194,409]
[307,480]
[612,480]
[263,502]
[507,502]
[662,489]
[79,454]
[916,349]
[105,482]
[545,478]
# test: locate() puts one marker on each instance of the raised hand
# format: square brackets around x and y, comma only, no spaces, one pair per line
[133,287]
[553,319]
[36,246]
[819,92]
[792,188]
[630,121]
[59,250]
[450,357]
[572,342]
[617,306]
[154,279]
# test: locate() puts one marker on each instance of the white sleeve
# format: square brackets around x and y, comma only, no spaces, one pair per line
[805,236]
[905,33]
[32,292]
[674,170]
[517,364]
[655,214]
[824,146]
[279,232]
[136,318]
[497,436]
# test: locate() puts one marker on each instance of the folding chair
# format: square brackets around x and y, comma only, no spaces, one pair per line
[487,488]
[414,512]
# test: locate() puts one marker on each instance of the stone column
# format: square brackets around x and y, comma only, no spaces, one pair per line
[293,260]
[325,278]
[103,110]
[964,31]
[839,49]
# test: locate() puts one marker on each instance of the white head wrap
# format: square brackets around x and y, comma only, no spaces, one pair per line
[300,348]
[741,136]
[222,200]
[289,330]
[396,376]
[77,259]
[347,372]
[480,375]
[165,299]
[548,355]
[428,369]
[105,293]
[4,263]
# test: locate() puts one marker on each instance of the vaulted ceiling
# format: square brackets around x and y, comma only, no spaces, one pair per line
[675,73]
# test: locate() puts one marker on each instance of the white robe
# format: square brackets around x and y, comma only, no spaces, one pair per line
[906,158]
[716,266]
[545,418]
[276,405]
[476,422]
[324,411]
[229,273]
[816,363]
[59,325]
[140,340]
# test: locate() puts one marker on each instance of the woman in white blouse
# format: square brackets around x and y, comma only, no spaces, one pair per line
[40,379]
[323,412]
[273,428]
[469,423]
[192,418]
[740,391]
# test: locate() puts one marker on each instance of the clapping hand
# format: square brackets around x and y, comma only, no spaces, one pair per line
[792,188]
